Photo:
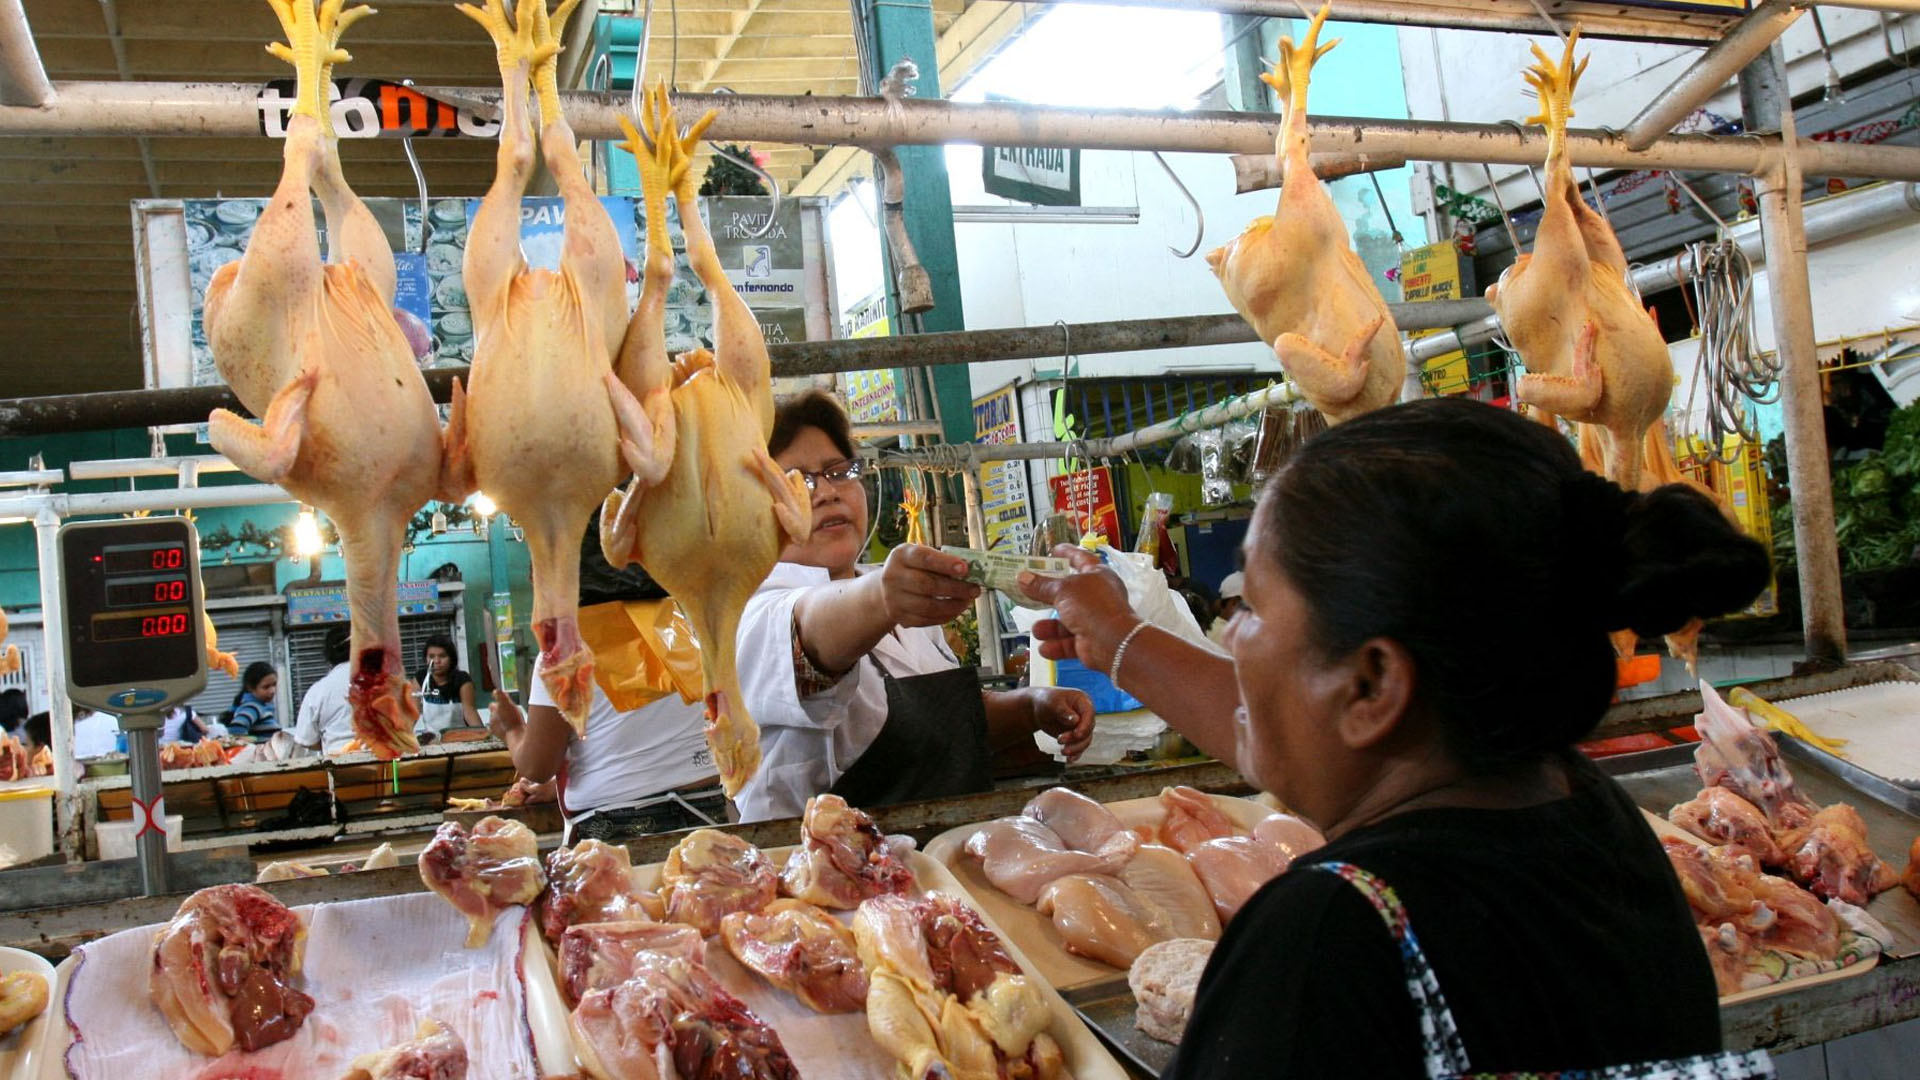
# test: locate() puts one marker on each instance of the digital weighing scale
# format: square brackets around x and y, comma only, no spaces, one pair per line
[136,647]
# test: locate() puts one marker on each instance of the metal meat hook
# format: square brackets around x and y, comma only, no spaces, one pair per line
[765,177]
[1199,215]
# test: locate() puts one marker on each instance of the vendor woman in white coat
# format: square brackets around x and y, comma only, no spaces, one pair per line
[845,669]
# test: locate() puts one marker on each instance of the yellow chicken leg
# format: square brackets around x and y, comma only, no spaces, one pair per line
[1290,77]
[313,48]
[513,39]
[1574,394]
[1555,84]
[1336,379]
[792,499]
[266,452]
[547,32]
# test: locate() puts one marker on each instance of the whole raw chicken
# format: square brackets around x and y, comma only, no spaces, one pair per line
[1593,354]
[313,347]
[708,511]
[223,970]
[1296,279]
[535,429]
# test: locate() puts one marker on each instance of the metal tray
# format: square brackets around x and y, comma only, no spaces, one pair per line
[1108,1008]
[1660,779]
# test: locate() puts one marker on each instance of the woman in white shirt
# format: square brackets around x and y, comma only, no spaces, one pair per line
[641,769]
[845,668]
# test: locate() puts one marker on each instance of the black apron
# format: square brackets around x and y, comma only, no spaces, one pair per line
[932,746]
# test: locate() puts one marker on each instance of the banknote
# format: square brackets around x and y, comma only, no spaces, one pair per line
[1001,570]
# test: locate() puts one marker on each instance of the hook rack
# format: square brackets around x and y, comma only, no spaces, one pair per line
[1199,215]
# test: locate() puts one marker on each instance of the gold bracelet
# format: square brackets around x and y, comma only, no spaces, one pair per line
[1120,653]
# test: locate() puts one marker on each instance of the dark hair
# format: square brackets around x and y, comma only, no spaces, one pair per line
[600,583]
[1381,522]
[39,729]
[443,642]
[249,679]
[810,409]
[13,708]
[339,643]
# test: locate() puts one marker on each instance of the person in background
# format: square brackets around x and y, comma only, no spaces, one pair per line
[95,734]
[446,692]
[1230,603]
[845,668]
[1427,725]
[187,725]
[13,709]
[644,765]
[325,722]
[252,712]
[37,732]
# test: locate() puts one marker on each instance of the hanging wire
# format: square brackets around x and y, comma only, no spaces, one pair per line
[1731,372]
[1552,23]
[1399,241]
[1506,219]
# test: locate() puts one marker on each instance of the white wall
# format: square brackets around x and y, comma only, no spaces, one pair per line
[1477,79]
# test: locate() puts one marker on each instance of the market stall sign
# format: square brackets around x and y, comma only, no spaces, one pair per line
[376,109]
[1005,500]
[1088,496]
[1437,272]
[1041,175]
[327,602]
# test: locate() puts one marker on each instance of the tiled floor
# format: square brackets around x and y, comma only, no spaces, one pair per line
[1891,1053]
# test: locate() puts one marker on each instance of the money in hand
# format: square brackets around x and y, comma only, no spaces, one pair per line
[1001,570]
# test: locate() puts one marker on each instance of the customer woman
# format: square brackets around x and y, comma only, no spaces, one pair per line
[252,711]
[1428,593]
[446,692]
[845,668]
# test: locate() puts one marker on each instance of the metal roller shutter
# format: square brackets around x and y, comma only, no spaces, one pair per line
[306,648]
[248,637]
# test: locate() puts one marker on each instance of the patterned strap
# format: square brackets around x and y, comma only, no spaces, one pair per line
[1440,1041]
[1446,1054]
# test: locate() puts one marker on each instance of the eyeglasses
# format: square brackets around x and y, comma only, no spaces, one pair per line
[842,472]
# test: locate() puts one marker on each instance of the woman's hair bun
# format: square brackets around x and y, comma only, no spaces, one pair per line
[1681,559]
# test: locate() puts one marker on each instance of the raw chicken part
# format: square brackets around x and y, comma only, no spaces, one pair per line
[1728,951]
[843,858]
[223,970]
[1718,887]
[224,662]
[1719,816]
[1164,979]
[1192,818]
[1164,878]
[435,1053]
[42,764]
[1736,754]
[708,510]
[1233,868]
[1099,917]
[9,656]
[1296,279]
[1911,879]
[314,349]
[945,998]
[196,756]
[600,956]
[674,1021]
[1290,834]
[712,874]
[288,870]
[1801,924]
[802,950]
[14,763]
[1594,355]
[1080,822]
[592,882]
[535,428]
[1833,859]
[484,872]
[1020,856]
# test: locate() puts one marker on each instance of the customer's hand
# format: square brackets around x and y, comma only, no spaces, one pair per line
[1090,608]
[1064,713]
[923,586]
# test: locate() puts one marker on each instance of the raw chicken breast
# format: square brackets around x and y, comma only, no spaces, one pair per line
[1080,822]
[1020,855]
[1192,818]
[592,882]
[1162,877]
[599,956]
[712,874]
[802,950]
[1719,816]
[484,872]
[674,1021]
[1832,857]
[1290,834]
[1728,952]
[843,858]
[1234,867]
[223,970]
[1800,923]
[1099,917]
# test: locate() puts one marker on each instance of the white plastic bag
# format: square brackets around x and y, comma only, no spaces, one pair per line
[1151,599]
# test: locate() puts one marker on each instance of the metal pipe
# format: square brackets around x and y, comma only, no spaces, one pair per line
[1822,608]
[1826,221]
[64,505]
[23,79]
[986,611]
[231,109]
[53,621]
[1723,60]
[124,468]
[31,477]
[1516,19]
[145,408]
